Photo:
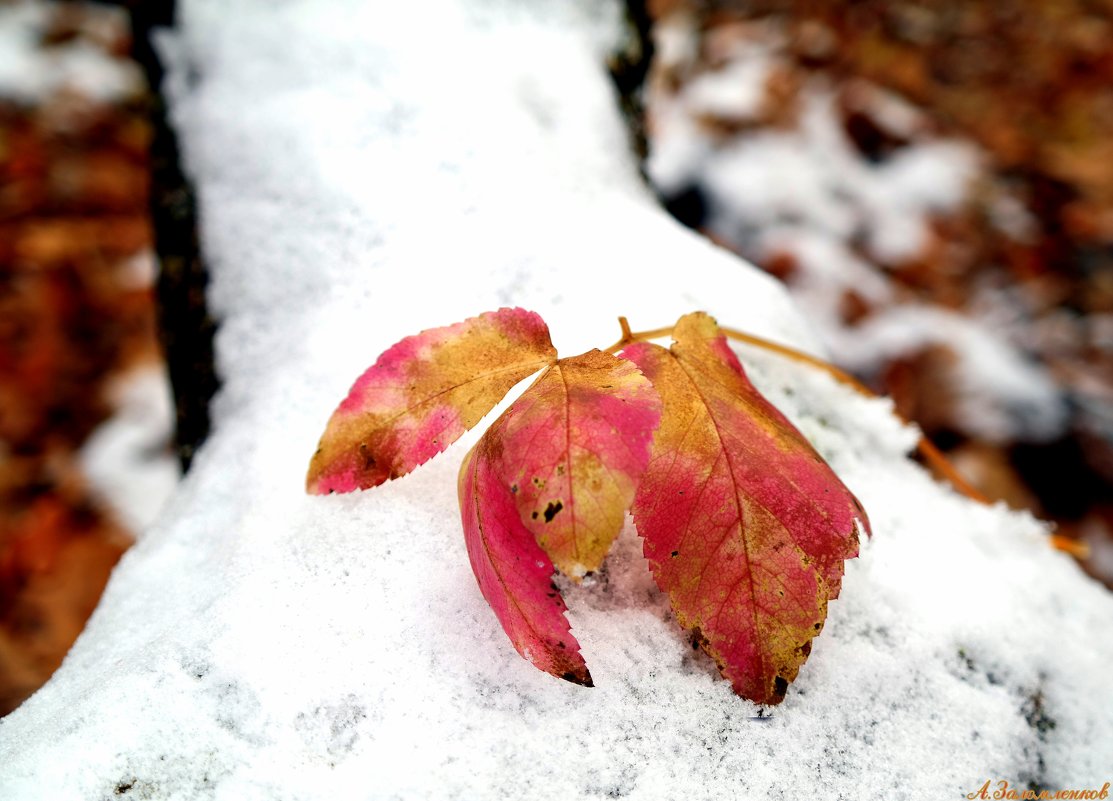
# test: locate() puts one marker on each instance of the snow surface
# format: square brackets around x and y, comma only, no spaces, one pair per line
[368,170]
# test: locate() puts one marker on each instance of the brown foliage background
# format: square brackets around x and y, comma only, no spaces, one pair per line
[76,309]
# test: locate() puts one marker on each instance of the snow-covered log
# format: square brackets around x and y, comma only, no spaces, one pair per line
[368,170]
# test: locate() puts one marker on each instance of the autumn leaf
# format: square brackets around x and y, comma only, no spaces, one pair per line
[571,451]
[514,574]
[745,526]
[422,394]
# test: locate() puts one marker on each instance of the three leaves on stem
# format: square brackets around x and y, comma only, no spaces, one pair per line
[745,527]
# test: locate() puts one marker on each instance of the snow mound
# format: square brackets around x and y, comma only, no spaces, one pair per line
[369,170]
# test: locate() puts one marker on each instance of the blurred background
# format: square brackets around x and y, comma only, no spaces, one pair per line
[933,181]
[85,411]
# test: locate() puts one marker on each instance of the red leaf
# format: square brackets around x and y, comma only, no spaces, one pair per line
[422,394]
[514,574]
[571,451]
[745,526]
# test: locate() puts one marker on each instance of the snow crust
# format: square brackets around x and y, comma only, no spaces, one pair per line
[369,170]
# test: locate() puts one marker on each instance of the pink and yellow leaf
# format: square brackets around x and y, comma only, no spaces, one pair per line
[514,574]
[422,394]
[571,451]
[745,526]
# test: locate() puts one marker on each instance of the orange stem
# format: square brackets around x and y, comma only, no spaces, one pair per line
[1079,550]
[629,337]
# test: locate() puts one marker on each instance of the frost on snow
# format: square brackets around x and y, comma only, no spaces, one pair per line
[363,174]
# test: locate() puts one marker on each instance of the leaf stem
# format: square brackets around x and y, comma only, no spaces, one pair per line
[1079,550]
[930,453]
[629,337]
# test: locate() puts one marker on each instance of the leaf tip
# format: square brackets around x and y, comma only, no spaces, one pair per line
[341,474]
[314,483]
[862,521]
[580,676]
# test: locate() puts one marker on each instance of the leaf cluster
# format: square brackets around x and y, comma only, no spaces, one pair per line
[745,527]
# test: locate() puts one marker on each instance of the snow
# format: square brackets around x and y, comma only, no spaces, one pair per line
[364,174]
[735,92]
[30,73]
[892,112]
[676,44]
[1027,403]
[813,176]
[127,460]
